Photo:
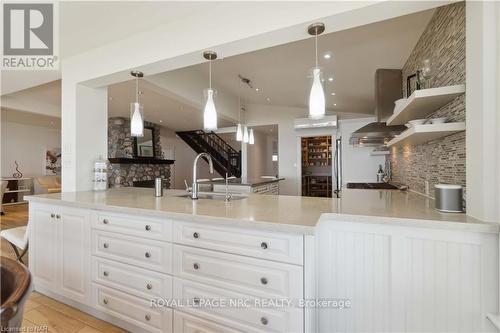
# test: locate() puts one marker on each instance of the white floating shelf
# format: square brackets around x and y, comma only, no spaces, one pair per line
[423,133]
[380,152]
[423,102]
[18,191]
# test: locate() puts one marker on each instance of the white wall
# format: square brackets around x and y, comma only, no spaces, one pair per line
[27,144]
[359,165]
[482,90]
[257,156]
[175,148]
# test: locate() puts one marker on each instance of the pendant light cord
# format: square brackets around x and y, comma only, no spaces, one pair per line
[137,89]
[210,74]
[316,46]
[239,102]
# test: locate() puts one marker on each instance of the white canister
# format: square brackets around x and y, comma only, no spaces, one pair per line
[100,175]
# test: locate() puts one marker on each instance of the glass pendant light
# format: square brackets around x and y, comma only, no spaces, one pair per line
[317,95]
[251,139]
[210,113]
[136,109]
[245,134]
[239,133]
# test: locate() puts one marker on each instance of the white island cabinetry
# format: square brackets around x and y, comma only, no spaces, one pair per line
[392,263]
[113,265]
[60,256]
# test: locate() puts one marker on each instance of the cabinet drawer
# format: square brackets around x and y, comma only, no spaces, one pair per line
[251,276]
[134,310]
[261,189]
[135,226]
[185,323]
[245,318]
[131,279]
[270,246]
[155,255]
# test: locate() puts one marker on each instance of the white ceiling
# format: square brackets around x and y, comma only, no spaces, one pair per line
[159,108]
[32,119]
[282,73]
[85,25]
[48,93]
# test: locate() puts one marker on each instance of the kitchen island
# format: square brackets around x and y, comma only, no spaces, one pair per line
[389,253]
[248,185]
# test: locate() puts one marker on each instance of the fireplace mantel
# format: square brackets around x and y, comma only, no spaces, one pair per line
[142,160]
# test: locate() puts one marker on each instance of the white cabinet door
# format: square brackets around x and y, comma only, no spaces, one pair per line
[74,252]
[43,245]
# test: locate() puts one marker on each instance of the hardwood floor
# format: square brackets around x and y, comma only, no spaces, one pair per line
[42,313]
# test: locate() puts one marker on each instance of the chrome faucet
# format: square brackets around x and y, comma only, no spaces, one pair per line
[194,188]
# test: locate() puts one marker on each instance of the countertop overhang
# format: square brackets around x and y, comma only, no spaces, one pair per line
[282,213]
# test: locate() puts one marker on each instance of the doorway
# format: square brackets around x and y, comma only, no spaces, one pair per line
[316,166]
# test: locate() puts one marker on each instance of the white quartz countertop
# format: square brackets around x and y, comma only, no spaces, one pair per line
[277,212]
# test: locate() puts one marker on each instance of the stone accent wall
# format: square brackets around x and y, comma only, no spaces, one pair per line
[123,175]
[442,160]
[120,144]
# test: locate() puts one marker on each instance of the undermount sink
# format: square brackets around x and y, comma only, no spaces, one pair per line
[214,196]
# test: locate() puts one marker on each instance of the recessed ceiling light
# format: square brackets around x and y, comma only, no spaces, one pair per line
[161,121]
[327,55]
[333,94]
[334,104]
[256,89]
[330,79]
[268,99]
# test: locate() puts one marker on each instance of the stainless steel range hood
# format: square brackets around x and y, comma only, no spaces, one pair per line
[388,88]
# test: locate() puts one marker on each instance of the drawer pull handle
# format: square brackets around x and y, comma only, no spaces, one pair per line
[52,215]
[264,320]
[263,280]
[105,221]
[105,301]
[147,317]
[196,301]
[263,245]
[106,245]
[149,286]
[148,255]
[196,235]
[196,266]
[147,227]
[105,273]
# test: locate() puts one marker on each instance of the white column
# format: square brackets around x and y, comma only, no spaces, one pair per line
[481,105]
[84,134]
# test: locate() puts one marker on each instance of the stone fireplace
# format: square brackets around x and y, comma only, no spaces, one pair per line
[127,169]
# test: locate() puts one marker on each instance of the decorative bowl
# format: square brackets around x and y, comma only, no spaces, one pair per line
[441,120]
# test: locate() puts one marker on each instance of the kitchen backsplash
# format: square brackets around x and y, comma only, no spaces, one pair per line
[443,160]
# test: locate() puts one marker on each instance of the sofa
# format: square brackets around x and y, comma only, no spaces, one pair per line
[3,187]
[47,184]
